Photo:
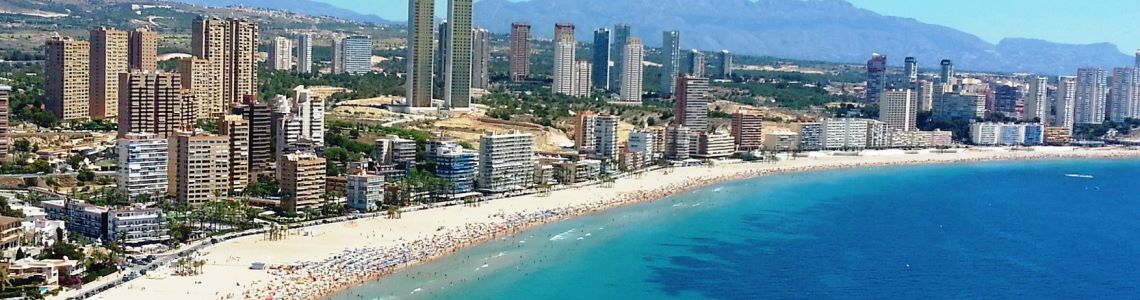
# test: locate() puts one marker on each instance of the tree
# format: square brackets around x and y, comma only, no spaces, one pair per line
[85,175]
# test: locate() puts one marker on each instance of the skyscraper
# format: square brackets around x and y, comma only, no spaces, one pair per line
[1006,97]
[142,52]
[1065,102]
[458,85]
[1091,95]
[142,166]
[747,130]
[356,54]
[231,47]
[671,45]
[154,102]
[302,177]
[1125,102]
[5,141]
[697,62]
[305,53]
[691,107]
[66,73]
[899,109]
[506,161]
[443,35]
[419,77]
[236,128]
[876,77]
[199,76]
[260,116]
[617,53]
[520,51]
[725,64]
[564,46]
[601,47]
[199,167]
[1137,58]
[108,59]
[337,60]
[1037,100]
[631,72]
[281,54]
[582,78]
[947,75]
[910,69]
[480,58]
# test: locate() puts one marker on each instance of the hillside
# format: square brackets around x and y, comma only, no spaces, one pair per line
[305,7]
[827,30]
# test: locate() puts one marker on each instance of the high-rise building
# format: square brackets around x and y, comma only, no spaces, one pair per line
[1091,95]
[236,128]
[230,46]
[606,137]
[154,102]
[480,58]
[260,116]
[200,78]
[108,60]
[899,109]
[520,51]
[617,54]
[304,123]
[453,164]
[697,62]
[876,77]
[506,162]
[811,136]
[601,70]
[691,108]
[336,62]
[713,145]
[584,139]
[281,54]
[365,192]
[925,90]
[947,75]
[910,69]
[66,74]
[1037,100]
[142,166]
[1125,102]
[199,167]
[142,49]
[356,54]
[458,85]
[419,77]
[394,150]
[958,106]
[747,131]
[671,68]
[677,140]
[305,53]
[845,133]
[1006,97]
[1065,102]
[645,142]
[443,34]
[1137,58]
[582,79]
[725,64]
[564,49]
[631,72]
[5,140]
[302,180]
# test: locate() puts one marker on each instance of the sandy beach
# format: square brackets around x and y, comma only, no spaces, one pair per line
[331,257]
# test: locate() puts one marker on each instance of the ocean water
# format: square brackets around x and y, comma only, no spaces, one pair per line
[1010,230]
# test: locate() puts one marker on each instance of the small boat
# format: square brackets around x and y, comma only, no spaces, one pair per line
[1079,175]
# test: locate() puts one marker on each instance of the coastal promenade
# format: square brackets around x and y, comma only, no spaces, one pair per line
[317,260]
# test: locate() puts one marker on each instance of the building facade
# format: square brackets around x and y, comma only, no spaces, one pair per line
[154,102]
[67,90]
[236,128]
[1091,96]
[302,180]
[454,165]
[601,60]
[876,77]
[747,131]
[305,53]
[457,87]
[357,54]
[506,162]
[1125,101]
[142,166]
[899,109]
[365,192]
[691,107]
[520,51]
[199,168]
[564,63]
[108,60]
[142,50]
[1037,100]
[1065,102]
[480,58]
[631,71]
[671,68]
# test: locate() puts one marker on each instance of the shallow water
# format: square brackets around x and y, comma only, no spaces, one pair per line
[1014,230]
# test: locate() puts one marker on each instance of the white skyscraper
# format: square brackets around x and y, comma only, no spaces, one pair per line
[480,58]
[311,109]
[281,54]
[899,109]
[506,162]
[1125,102]
[1092,92]
[356,54]
[582,78]
[305,53]
[1065,101]
[631,73]
[1037,100]
[143,165]
[563,73]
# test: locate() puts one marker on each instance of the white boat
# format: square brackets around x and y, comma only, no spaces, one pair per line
[1079,175]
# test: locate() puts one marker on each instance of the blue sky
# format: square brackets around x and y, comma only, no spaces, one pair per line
[1064,21]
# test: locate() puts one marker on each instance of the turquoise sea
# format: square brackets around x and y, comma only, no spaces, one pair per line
[1009,230]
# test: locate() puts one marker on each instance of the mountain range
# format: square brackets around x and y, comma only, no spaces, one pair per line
[824,30]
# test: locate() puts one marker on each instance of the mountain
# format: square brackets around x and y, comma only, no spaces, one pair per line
[828,30]
[304,7]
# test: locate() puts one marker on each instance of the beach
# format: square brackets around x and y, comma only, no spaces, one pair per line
[327,258]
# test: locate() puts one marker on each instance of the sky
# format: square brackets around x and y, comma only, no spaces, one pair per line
[1063,21]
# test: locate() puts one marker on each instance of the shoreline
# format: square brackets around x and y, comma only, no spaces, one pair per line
[372,260]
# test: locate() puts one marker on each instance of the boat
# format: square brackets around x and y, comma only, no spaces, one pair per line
[1079,175]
